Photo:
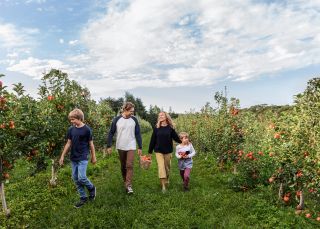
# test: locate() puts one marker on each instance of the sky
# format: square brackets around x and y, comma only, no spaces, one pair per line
[173,54]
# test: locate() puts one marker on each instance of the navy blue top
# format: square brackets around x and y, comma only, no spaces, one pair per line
[80,138]
[161,140]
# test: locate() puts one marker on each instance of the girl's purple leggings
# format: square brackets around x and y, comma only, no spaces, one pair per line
[185,175]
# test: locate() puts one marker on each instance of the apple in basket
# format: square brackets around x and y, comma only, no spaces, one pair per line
[145,162]
[145,158]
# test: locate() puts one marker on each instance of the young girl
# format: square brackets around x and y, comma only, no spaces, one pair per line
[184,153]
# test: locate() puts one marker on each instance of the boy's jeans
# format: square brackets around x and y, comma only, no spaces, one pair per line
[79,170]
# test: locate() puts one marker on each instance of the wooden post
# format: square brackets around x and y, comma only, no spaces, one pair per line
[280,194]
[301,202]
[53,180]
[3,200]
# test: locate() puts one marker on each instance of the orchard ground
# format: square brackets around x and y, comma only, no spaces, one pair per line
[210,203]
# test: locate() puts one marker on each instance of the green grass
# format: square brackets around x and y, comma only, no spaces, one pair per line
[209,204]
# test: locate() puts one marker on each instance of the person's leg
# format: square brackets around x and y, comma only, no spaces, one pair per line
[82,174]
[129,168]
[75,178]
[83,179]
[80,187]
[167,165]
[182,174]
[123,161]
[161,170]
[187,178]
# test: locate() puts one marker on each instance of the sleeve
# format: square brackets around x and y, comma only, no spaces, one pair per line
[192,151]
[137,133]
[175,136]
[90,134]
[152,141]
[68,135]
[177,152]
[112,131]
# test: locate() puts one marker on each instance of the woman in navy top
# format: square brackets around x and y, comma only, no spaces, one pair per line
[161,143]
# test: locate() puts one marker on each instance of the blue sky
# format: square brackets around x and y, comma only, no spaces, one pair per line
[169,53]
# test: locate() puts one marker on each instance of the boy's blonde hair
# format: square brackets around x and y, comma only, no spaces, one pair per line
[183,134]
[76,114]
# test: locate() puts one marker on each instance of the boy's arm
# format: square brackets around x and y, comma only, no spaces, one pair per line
[65,151]
[93,153]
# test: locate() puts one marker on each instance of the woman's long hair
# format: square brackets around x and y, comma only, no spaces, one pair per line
[168,119]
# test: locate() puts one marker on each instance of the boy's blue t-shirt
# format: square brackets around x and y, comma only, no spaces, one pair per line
[80,138]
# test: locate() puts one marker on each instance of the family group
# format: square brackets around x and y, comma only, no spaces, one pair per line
[128,137]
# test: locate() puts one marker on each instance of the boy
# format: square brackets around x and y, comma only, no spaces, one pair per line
[80,140]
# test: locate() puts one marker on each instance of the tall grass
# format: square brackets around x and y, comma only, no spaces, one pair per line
[209,204]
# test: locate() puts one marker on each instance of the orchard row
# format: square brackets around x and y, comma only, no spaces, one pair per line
[35,129]
[278,147]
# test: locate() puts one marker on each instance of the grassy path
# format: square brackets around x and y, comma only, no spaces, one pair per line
[209,204]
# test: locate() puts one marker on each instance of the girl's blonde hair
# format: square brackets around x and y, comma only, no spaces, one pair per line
[183,134]
[76,114]
[168,119]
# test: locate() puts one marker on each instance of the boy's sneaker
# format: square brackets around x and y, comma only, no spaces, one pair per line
[92,193]
[129,190]
[82,202]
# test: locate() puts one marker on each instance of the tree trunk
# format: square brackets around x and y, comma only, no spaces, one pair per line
[235,171]
[280,194]
[53,180]
[3,199]
[301,202]
[221,165]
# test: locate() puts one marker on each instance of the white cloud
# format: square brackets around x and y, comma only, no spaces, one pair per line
[73,42]
[162,43]
[35,1]
[13,55]
[165,43]
[35,67]
[13,37]
[9,36]
[61,41]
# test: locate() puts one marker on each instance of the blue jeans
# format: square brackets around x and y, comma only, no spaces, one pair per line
[79,170]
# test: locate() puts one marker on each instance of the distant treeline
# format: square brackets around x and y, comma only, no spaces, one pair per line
[149,115]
